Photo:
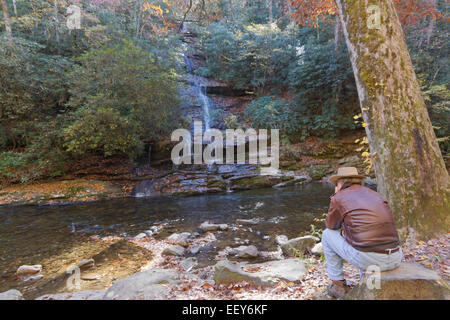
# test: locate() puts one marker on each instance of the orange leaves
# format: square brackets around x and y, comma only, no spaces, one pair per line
[410,11]
[414,11]
[153,9]
[309,12]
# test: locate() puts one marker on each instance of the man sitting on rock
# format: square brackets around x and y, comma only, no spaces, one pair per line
[370,237]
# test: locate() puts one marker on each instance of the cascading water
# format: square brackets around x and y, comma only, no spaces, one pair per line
[200,90]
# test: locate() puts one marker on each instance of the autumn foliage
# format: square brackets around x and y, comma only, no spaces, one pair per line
[409,11]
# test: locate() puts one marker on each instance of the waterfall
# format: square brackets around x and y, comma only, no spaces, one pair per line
[200,90]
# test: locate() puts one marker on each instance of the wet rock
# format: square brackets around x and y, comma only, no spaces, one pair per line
[410,281]
[188,264]
[149,285]
[12,294]
[280,240]
[296,180]
[81,295]
[245,252]
[262,274]
[317,249]
[25,269]
[247,221]
[247,182]
[181,239]
[175,250]
[86,264]
[299,245]
[206,226]
[34,278]
[141,236]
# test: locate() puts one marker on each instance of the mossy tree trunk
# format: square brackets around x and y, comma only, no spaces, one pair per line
[408,163]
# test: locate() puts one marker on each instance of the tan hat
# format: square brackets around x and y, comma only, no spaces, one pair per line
[346,172]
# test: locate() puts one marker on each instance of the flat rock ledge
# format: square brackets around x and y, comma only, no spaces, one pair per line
[149,285]
[261,274]
[410,281]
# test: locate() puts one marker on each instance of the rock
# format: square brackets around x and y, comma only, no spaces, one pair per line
[34,278]
[90,276]
[86,264]
[247,182]
[280,240]
[194,250]
[296,180]
[25,269]
[410,281]
[245,252]
[142,235]
[188,264]
[81,295]
[12,294]
[350,161]
[262,274]
[206,226]
[181,239]
[265,238]
[149,285]
[317,249]
[175,250]
[247,221]
[298,245]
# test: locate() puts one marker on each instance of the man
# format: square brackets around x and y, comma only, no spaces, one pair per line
[370,237]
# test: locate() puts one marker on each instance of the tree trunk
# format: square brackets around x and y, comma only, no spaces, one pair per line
[408,163]
[270,5]
[230,4]
[430,28]
[7,22]
[15,7]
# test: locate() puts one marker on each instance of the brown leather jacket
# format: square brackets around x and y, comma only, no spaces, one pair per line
[366,219]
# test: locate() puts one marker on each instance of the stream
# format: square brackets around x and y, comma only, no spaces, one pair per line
[54,235]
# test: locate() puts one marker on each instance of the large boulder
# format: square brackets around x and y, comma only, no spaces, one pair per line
[410,281]
[261,274]
[12,294]
[298,246]
[149,285]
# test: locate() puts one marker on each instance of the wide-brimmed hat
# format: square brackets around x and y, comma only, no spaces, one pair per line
[346,172]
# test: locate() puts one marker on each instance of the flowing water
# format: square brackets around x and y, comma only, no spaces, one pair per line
[46,234]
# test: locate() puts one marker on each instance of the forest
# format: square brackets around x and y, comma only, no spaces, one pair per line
[291,57]
[94,205]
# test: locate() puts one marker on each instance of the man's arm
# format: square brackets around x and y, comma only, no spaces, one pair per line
[334,218]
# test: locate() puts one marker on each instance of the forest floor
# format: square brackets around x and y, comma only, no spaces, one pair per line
[433,254]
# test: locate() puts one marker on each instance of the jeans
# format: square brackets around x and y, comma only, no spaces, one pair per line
[336,249]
